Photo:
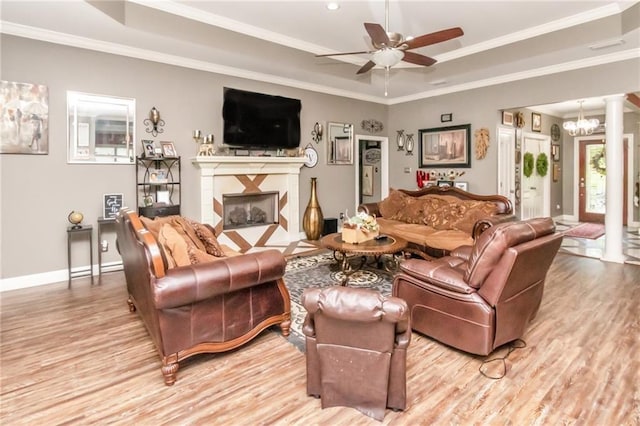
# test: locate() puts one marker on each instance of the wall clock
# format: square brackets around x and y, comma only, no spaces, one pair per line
[311,156]
[555,132]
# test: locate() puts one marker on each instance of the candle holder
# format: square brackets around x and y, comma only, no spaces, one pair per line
[409,144]
[400,140]
[206,143]
[154,122]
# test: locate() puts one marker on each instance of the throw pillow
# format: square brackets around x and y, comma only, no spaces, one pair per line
[473,211]
[391,205]
[154,225]
[174,246]
[208,238]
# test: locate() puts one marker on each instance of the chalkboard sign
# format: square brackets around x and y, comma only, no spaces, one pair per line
[111,205]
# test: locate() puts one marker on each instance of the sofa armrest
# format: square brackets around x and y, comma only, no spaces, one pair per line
[462,252]
[446,273]
[370,208]
[483,224]
[191,284]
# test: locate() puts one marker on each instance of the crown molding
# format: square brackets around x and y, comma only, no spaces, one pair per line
[523,75]
[154,56]
[25,31]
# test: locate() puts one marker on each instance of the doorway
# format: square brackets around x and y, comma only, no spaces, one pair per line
[592,197]
[372,169]
[506,163]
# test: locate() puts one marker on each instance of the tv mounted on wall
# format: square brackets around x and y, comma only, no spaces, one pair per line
[256,120]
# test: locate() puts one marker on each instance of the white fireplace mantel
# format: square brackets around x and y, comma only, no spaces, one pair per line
[228,174]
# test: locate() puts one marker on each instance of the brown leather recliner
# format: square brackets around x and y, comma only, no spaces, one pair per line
[205,307]
[481,296]
[356,343]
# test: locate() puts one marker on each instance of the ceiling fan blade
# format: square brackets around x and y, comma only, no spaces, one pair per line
[433,38]
[418,59]
[345,53]
[366,67]
[378,34]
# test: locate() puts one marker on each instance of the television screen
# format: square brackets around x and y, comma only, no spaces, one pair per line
[256,120]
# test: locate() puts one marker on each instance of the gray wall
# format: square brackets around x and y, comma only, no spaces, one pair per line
[38,192]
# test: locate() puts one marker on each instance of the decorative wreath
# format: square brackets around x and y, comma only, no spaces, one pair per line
[599,163]
[542,164]
[527,166]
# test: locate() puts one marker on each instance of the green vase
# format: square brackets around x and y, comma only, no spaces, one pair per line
[312,221]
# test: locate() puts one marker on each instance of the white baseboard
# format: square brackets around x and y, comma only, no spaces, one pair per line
[51,277]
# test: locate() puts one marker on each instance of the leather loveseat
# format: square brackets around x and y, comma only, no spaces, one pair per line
[436,220]
[205,303]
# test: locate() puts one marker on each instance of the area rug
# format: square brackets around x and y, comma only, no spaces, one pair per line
[323,271]
[591,231]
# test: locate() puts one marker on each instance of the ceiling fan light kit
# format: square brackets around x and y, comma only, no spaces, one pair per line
[391,48]
[387,57]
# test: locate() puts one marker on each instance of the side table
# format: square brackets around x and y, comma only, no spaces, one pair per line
[80,232]
[102,221]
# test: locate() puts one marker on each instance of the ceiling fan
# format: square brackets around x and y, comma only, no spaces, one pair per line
[391,48]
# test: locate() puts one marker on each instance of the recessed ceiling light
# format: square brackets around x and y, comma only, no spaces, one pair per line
[333,5]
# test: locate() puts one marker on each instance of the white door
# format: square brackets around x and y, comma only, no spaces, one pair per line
[506,163]
[536,188]
[382,174]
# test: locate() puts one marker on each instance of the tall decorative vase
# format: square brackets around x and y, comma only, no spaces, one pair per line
[312,221]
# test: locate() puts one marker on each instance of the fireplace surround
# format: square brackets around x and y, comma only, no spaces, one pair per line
[227,175]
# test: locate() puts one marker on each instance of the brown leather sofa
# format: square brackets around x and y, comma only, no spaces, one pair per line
[356,343]
[481,296]
[211,306]
[436,220]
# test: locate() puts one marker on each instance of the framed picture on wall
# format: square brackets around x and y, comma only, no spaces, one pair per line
[507,118]
[445,147]
[367,180]
[536,122]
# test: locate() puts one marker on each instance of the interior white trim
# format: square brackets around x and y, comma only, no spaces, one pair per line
[576,174]
[150,55]
[384,165]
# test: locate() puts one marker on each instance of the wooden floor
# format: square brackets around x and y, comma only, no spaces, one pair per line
[79,357]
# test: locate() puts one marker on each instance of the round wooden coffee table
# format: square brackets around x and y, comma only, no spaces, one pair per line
[390,248]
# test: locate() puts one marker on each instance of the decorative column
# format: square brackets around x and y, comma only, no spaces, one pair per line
[615,180]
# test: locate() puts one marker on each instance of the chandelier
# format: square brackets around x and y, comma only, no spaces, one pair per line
[582,126]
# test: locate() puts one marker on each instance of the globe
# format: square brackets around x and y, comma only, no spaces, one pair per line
[75,218]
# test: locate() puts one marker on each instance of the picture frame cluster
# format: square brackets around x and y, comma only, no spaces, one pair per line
[166,149]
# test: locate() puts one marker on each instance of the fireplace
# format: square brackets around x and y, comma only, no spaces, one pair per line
[246,210]
[277,177]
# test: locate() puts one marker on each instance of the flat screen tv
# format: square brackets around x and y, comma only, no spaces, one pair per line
[256,120]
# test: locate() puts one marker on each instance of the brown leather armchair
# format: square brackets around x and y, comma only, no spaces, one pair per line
[205,307]
[481,296]
[356,343]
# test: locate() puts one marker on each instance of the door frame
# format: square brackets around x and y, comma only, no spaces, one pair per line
[576,175]
[546,143]
[384,166]
[507,163]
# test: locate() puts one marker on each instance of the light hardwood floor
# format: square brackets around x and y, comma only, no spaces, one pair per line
[79,357]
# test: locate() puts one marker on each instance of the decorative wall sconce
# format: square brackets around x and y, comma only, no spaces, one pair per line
[317,132]
[400,140]
[154,121]
[409,143]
